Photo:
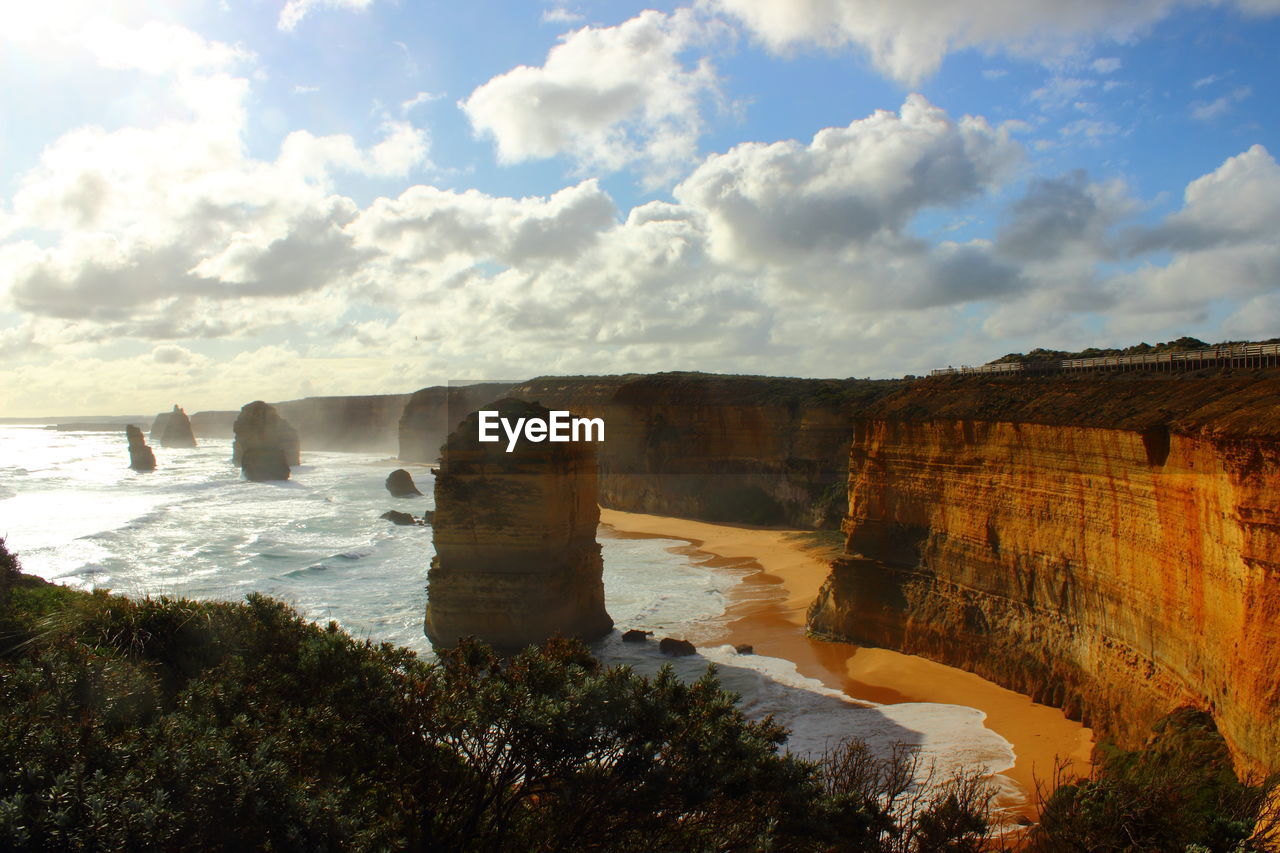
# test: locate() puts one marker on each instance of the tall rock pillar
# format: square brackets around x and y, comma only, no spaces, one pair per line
[515,537]
[266,445]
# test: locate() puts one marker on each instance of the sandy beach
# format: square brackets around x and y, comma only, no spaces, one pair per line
[781,578]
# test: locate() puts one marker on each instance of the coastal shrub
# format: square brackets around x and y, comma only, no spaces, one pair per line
[167,724]
[172,724]
[1179,793]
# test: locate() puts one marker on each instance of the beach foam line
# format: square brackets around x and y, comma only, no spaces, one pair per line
[768,610]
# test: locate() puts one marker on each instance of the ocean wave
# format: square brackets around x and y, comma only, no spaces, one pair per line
[306,572]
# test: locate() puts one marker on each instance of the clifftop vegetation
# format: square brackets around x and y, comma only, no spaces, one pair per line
[1182,344]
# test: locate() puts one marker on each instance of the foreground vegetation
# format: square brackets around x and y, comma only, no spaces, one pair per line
[179,725]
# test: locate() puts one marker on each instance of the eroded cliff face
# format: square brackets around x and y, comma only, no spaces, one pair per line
[431,414]
[367,424]
[214,424]
[1109,547]
[515,539]
[748,449]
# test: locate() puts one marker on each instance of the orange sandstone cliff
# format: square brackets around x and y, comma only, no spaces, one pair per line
[515,538]
[1106,544]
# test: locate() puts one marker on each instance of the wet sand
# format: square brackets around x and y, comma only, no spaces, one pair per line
[767,610]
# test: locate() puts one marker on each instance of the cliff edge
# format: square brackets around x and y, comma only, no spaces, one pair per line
[1109,545]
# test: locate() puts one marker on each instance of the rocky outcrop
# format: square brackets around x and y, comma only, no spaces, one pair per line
[515,538]
[400,484]
[676,648]
[1109,545]
[431,414]
[266,445]
[141,457]
[173,429]
[403,519]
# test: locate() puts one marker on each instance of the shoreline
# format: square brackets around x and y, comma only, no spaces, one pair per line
[767,610]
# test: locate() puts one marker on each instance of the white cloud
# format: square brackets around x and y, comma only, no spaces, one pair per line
[295,10]
[418,100]
[561,15]
[1209,110]
[173,231]
[436,227]
[848,185]
[156,48]
[1221,245]
[1060,91]
[607,97]
[908,39]
[1090,131]
[1106,65]
[1210,80]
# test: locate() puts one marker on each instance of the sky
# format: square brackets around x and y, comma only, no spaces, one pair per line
[207,202]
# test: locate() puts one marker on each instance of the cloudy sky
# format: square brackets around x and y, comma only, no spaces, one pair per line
[211,201]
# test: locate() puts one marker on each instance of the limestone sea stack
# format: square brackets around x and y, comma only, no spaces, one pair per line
[141,457]
[400,484]
[176,430]
[266,445]
[515,538]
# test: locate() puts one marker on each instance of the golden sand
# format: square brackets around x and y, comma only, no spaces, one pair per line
[768,611]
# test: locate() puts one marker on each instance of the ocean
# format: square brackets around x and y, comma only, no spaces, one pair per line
[75,513]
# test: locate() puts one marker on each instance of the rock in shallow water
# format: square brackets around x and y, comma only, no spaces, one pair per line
[397,517]
[515,537]
[141,457]
[677,648]
[175,430]
[400,483]
[266,444]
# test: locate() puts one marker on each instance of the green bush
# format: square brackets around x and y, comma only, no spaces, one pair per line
[1180,793]
[166,724]
[178,725]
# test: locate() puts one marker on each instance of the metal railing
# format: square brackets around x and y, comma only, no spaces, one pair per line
[1237,355]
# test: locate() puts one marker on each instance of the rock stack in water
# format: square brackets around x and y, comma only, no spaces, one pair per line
[515,538]
[265,446]
[141,457]
[400,484]
[176,429]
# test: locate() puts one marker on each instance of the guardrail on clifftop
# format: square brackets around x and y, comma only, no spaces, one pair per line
[1239,355]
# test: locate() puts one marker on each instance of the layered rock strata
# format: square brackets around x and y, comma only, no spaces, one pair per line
[1107,545]
[266,445]
[141,457]
[516,555]
[723,448]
